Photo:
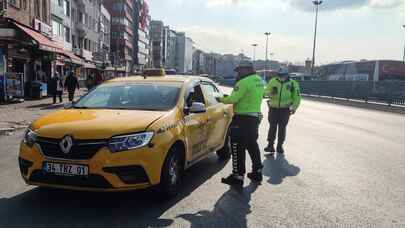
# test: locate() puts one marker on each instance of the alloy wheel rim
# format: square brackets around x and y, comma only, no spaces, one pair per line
[173,171]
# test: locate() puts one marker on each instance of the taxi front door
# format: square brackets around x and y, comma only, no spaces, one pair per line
[196,127]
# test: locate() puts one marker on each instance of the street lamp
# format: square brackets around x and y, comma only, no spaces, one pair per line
[317,3]
[254,51]
[267,34]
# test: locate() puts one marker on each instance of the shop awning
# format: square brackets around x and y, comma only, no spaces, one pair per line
[89,66]
[44,42]
[73,58]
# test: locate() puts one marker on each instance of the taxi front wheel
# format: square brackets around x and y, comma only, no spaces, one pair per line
[171,175]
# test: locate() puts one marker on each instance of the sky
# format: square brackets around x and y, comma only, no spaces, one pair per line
[347,29]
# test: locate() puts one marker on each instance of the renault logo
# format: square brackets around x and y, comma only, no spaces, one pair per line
[66,144]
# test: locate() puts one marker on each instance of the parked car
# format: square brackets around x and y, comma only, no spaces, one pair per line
[128,133]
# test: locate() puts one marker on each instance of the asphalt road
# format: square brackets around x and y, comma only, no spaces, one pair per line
[344,167]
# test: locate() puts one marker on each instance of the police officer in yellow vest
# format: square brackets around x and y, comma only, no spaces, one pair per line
[284,100]
[246,98]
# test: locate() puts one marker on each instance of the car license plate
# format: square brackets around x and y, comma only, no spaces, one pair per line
[66,169]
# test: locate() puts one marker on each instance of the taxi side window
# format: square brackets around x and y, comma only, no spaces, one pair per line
[210,91]
[195,95]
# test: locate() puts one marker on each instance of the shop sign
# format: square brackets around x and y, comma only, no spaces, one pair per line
[42,27]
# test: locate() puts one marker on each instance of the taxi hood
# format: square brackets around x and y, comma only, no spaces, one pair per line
[94,124]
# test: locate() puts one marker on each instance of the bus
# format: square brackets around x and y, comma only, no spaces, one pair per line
[379,70]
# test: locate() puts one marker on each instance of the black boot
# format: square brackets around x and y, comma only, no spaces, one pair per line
[255,176]
[233,180]
[270,149]
[280,149]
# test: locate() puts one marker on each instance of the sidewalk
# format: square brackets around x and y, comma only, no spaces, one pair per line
[20,115]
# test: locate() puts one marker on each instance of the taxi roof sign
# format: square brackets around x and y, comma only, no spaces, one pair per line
[154,72]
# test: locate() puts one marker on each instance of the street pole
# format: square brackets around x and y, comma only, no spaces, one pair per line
[267,34]
[317,3]
[254,51]
[403,59]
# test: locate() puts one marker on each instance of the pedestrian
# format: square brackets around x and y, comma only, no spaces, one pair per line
[284,100]
[90,83]
[247,99]
[71,84]
[56,87]
[98,79]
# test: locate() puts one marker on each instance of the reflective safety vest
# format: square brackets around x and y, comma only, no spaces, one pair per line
[247,96]
[283,94]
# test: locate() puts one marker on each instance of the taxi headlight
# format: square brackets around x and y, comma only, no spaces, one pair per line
[130,142]
[29,137]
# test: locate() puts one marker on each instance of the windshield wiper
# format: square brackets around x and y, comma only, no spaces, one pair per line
[80,107]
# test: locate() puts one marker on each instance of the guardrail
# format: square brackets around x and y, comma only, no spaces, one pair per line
[388,92]
[384,92]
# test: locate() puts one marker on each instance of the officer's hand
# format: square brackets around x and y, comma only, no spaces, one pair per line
[292,111]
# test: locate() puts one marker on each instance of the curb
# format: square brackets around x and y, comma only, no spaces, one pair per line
[8,130]
[5,131]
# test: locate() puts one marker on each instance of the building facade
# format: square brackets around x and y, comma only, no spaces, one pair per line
[157,29]
[130,38]
[142,38]
[184,53]
[28,55]
[102,55]
[122,32]
[171,48]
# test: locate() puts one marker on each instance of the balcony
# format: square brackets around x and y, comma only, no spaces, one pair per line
[82,29]
[88,55]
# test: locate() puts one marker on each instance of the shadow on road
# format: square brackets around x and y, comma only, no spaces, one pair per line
[230,210]
[60,208]
[278,168]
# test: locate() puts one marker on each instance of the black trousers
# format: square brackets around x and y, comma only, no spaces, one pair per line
[278,119]
[71,95]
[244,133]
[57,94]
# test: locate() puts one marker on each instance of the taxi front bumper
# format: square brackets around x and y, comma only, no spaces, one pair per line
[122,171]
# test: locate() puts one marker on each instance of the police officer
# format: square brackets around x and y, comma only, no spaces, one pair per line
[284,100]
[247,99]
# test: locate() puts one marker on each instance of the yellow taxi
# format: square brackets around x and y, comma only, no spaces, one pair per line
[128,133]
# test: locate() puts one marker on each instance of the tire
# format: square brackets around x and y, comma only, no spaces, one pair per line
[171,175]
[225,152]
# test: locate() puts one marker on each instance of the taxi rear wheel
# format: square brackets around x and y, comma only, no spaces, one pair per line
[171,174]
[225,152]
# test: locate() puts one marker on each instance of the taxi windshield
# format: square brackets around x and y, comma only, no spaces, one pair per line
[154,97]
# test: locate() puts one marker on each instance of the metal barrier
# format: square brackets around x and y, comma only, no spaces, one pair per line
[389,92]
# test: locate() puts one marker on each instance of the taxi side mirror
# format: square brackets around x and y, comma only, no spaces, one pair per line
[198,107]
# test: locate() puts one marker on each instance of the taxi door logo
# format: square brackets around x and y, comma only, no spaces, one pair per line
[66,144]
